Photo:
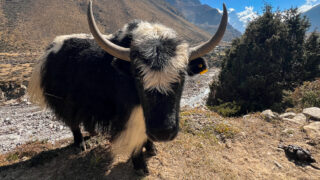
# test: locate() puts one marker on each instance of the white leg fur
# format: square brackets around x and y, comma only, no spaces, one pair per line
[134,136]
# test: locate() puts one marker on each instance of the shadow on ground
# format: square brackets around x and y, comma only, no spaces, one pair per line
[67,163]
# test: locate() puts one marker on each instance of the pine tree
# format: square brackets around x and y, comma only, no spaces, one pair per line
[293,64]
[267,59]
[312,57]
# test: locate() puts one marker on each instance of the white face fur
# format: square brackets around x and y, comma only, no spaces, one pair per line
[155,79]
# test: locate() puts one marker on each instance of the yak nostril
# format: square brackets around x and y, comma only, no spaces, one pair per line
[162,134]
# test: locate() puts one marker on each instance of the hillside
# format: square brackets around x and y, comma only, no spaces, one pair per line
[28,25]
[313,15]
[204,16]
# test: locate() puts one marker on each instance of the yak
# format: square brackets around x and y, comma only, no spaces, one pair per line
[129,83]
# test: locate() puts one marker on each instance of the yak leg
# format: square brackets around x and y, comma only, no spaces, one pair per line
[150,148]
[78,138]
[139,163]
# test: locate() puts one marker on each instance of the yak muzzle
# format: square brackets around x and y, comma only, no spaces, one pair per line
[162,134]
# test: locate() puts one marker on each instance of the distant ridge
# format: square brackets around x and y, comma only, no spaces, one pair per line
[204,16]
[29,25]
[314,16]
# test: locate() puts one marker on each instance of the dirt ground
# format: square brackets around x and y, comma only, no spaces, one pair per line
[207,147]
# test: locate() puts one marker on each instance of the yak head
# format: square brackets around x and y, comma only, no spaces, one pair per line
[159,63]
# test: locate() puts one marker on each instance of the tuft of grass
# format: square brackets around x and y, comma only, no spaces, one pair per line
[227,109]
[12,157]
[225,129]
[95,160]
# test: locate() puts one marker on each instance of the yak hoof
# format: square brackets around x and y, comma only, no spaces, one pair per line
[81,147]
[142,172]
[152,151]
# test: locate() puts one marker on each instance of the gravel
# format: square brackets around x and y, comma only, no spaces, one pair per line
[21,123]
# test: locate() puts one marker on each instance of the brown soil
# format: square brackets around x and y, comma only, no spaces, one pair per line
[208,147]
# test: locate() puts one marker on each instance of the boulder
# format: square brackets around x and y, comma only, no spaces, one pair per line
[313,130]
[312,112]
[269,115]
[298,118]
[289,115]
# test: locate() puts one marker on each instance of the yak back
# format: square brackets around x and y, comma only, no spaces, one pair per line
[81,85]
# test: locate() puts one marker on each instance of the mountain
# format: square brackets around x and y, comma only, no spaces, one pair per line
[204,16]
[314,16]
[235,21]
[29,25]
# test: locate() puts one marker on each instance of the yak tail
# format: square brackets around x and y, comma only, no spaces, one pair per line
[35,92]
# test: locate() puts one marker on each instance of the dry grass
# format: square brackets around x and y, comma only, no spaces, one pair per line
[248,151]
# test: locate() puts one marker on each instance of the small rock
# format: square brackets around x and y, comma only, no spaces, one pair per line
[243,134]
[51,126]
[61,127]
[313,130]
[269,115]
[313,112]
[278,164]
[7,121]
[228,144]
[288,131]
[289,115]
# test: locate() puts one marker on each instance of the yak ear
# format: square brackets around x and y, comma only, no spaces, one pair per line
[123,67]
[197,66]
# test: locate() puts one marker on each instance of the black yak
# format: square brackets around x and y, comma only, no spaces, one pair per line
[129,83]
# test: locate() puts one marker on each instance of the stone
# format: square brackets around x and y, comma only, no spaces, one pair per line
[289,115]
[313,130]
[269,115]
[312,112]
[51,126]
[2,96]
[7,121]
[288,131]
[299,119]
[278,165]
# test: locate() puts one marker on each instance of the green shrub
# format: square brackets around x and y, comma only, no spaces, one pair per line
[227,109]
[307,95]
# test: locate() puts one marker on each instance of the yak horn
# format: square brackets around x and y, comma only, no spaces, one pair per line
[204,48]
[108,46]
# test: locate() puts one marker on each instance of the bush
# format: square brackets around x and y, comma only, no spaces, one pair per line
[307,95]
[227,109]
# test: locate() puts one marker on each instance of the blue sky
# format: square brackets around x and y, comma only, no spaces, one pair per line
[240,5]
[243,11]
